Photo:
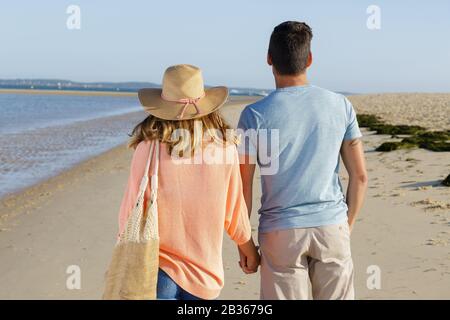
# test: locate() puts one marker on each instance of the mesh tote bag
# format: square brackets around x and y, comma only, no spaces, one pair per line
[133,271]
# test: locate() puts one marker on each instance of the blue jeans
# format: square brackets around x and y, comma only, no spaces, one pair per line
[168,290]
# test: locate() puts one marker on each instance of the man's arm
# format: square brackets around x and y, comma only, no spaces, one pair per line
[247,172]
[352,153]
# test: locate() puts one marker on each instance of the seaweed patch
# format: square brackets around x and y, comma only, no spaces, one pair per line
[446,181]
[419,137]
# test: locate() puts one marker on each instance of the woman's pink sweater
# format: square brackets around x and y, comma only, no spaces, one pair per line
[196,202]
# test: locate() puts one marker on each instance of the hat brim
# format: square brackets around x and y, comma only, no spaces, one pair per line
[151,101]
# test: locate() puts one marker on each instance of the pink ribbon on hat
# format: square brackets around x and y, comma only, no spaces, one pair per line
[186,102]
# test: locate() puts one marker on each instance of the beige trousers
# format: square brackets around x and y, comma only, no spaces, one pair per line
[298,264]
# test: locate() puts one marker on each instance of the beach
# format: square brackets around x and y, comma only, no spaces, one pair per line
[402,232]
[429,110]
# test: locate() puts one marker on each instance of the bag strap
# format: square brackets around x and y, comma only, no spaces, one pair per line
[150,154]
[154,177]
[154,149]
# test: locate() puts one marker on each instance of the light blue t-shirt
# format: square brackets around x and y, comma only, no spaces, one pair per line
[297,135]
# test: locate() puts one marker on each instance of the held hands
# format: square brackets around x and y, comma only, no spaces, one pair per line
[249,258]
[249,264]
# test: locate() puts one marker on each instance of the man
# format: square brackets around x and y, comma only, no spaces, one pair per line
[305,220]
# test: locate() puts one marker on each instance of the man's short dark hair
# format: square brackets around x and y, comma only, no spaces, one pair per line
[289,47]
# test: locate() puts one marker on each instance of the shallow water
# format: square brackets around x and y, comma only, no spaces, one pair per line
[41,135]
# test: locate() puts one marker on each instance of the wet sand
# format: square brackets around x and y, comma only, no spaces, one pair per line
[35,155]
[71,219]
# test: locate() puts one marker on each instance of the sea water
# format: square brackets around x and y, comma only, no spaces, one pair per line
[44,134]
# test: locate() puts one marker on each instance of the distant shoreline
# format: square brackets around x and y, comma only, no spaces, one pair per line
[92,92]
[69,92]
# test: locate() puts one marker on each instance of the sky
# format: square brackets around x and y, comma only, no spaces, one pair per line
[136,40]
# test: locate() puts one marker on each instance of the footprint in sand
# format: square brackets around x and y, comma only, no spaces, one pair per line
[436,242]
[397,194]
[431,205]
[377,195]
[424,188]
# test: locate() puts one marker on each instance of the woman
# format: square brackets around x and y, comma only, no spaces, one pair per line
[199,184]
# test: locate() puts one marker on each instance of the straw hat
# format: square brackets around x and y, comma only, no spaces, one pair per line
[183,95]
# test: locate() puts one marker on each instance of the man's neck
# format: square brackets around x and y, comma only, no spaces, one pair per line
[290,81]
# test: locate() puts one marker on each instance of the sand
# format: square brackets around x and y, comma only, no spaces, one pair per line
[430,110]
[71,219]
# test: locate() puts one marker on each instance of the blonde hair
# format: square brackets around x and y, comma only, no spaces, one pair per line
[185,135]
